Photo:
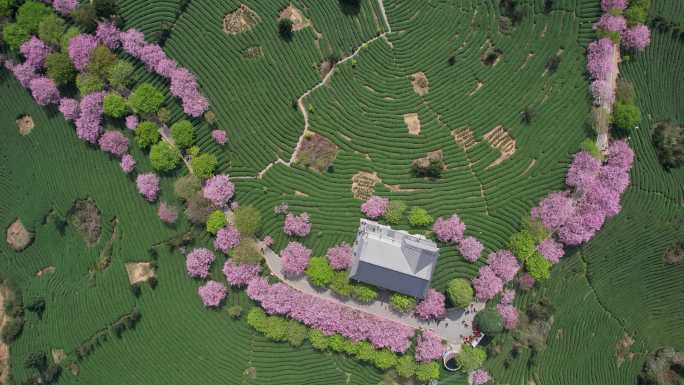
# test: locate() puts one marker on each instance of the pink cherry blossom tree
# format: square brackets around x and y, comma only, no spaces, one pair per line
[487,284]
[297,225]
[295,258]
[80,47]
[340,256]
[35,52]
[219,190]
[449,230]
[89,122]
[432,306]
[227,238]
[481,377]
[212,293]
[148,185]
[65,7]
[375,207]
[470,248]
[44,91]
[219,136]
[127,163]
[69,108]
[551,250]
[108,34]
[240,274]
[114,142]
[167,213]
[509,314]
[504,264]
[198,261]
[429,346]
[636,38]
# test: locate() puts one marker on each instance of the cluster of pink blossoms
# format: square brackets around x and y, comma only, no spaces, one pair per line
[637,37]
[80,47]
[551,250]
[212,293]
[504,264]
[432,306]
[219,190]
[127,163]
[89,122]
[340,256]
[611,23]
[601,64]
[330,317]
[297,225]
[470,248]
[108,34]
[65,7]
[131,122]
[148,185]
[35,52]
[44,91]
[114,142]
[219,136]
[375,207]
[507,297]
[487,284]
[69,108]
[429,346]
[198,261]
[167,213]
[295,258]
[449,230]
[597,190]
[607,5]
[481,377]
[240,274]
[509,314]
[24,72]
[526,281]
[227,238]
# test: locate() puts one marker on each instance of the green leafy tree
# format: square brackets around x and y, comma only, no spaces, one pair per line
[101,61]
[256,318]
[395,211]
[187,186]
[6,7]
[489,321]
[66,38]
[384,359]
[471,358]
[248,220]
[60,69]
[319,272]
[340,284]
[626,115]
[636,15]
[296,333]
[216,220]
[86,17]
[183,133]
[164,115]
[364,351]
[364,293]
[406,366]
[15,35]
[538,267]
[427,371]
[318,340]
[145,99]
[285,28]
[336,343]
[668,139]
[203,165]
[276,328]
[536,229]
[234,312]
[402,303]
[350,347]
[522,245]
[119,75]
[51,29]
[88,83]
[115,105]
[246,252]
[419,217]
[30,14]
[164,157]
[590,146]
[460,292]
[146,134]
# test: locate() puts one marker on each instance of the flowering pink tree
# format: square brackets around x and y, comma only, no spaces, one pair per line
[583,171]
[340,256]
[219,190]
[165,67]
[24,72]
[212,293]
[449,230]
[44,91]
[198,261]
[227,238]
[65,7]
[240,274]
[470,248]
[80,47]
[432,306]
[35,52]
[620,155]
[504,264]
[131,122]
[108,34]
[152,55]
[184,85]
[267,241]
[257,288]
[297,225]
[127,163]
[281,209]
[69,108]
[507,297]
[554,210]
[148,185]
[429,346]
[611,23]
[487,284]
[375,207]
[295,258]
[526,281]
[89,122]
[114,142]
[551,250]
[636,38]
[219,136]
[132,41]
[167,213]
[509,314]
[600,59]
[603,92]
[481,377]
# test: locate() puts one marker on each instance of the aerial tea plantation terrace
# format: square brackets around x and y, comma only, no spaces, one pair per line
[342,192]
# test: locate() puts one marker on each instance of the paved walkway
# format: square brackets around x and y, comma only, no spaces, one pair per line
[456,325]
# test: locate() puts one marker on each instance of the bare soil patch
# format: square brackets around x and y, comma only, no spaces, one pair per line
[412,122]
[464,138]
[499,138]
[18,238]
[249,373]
[240,20]
[139,272]
[622,349]
[429,161]
[45,270]
[478,85]
[74,369]
[25,125]
[420,83]
[58,356]
[316,152]
[674,255]
[363,184]
[4,348]
[529,166]
[85,216]
[301,194]
[397,188]
[299,22]
[491,55]
[253,52]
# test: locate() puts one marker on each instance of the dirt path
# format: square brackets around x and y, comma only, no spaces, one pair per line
[602,137]
[165,133]
[4,348]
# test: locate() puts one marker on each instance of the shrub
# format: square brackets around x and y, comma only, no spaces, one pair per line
[427,371]
[86,17]
[384,359]
[198,209]
[668,139]
[336,343]
[216,220]
[419,217]
[364,351]
[296,333]
[145,99]
[626,115]
[114,105]
[522,245]
[624,91]
[590,146]
[88,83]
[460,292]
[101,61]
[636,15]
[276,328]
[187,186]
[553,63]
[70,33]
[183,133]
[538,267]
[119,75]
[295,258]
[319,272]
[246,252]
[340,284]
[285,28]
[60,69]
[318,340]
[31,14]
[471,358]
[51,29]
[364,293]
[247,220]
[234,312]
[146,134]
[374,207]
[395,212]
[256,318]
[105,9]
[406,366]
[489,321]
[203,165]
[164,157]
[15,35]
[402,303]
